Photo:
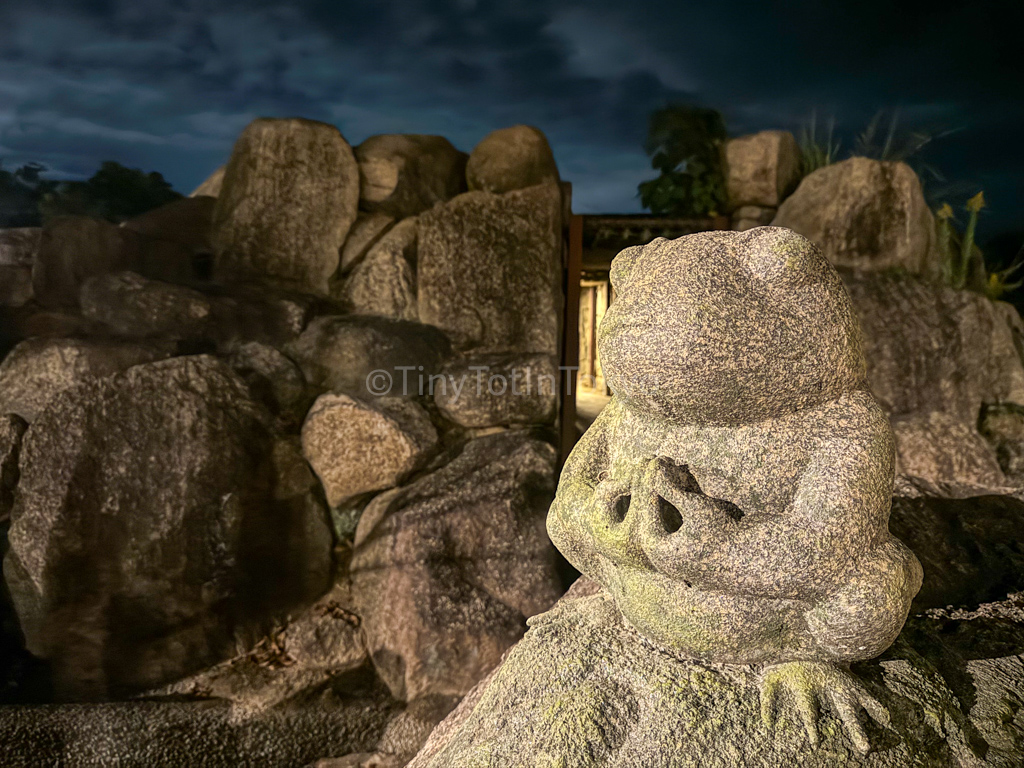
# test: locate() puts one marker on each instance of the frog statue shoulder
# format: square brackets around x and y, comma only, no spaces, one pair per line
[734,496]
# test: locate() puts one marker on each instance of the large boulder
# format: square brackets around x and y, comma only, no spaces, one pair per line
[511,158]
[356,447]
[174,241]
[498,390]
[865,214]
[761,169]
[1002,426]
[937,447]
[369,356]
[446,570]
[319,644]
[489,269]
[935,358]
[274,379]
[157,515]
[289,197]
[186,221]
[584,689]
[367,230]
[17,253]
[39,369]
[211,186]
[71,250]
[404,174]
[131,305]
[206,733]
[18,246]
[384,282]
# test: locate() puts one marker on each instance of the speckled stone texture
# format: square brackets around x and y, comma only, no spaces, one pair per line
[383,283]
[12,429]
[499,390]
[356,447]
[446,569]
[865,214]
[489,269]
[936,358]
[404,174]
[189,733]
[761,168]
[156,515]
[734,495]
[38,369]
[511,158]
[338,354]
[211,186]
[583,689]
[367,230]
[289,197]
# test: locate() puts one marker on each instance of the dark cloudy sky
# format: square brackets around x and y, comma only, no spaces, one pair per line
[168,86]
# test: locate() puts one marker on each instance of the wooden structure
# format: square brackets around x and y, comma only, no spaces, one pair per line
[593,241]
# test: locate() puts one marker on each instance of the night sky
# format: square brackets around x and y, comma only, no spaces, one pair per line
[168,86]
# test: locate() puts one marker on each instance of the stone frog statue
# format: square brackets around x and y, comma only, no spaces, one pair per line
[734,495]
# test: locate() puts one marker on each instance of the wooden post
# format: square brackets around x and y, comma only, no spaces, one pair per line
[571,340]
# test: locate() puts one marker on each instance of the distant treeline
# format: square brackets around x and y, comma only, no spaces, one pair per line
[115,193]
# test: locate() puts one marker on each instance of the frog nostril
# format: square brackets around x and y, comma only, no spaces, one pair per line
[671,520]
[620,508]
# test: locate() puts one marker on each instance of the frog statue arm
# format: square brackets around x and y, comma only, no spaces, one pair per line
[838,513]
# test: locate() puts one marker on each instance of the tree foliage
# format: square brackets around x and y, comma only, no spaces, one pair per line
[20,193]
[115,193]
[685,145]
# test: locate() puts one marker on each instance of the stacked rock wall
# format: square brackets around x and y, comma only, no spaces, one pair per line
[315,400]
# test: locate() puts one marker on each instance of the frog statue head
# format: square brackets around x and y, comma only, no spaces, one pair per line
[729,329]
[733,497]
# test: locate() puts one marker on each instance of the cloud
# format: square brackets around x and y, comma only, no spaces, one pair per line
[170,86]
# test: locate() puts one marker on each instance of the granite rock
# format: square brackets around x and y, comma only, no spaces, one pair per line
[38,369]
[446,569]
[383,283]
[71,250]
[212,185]
[155,517]
[489,269]
[936,358]
[288,199]
[134,306]
[367,230]
[174,241]
[404,174]
[584,689]
[18,246]
[273,378]
[511,158]
[937,447]
[865,214]
[356,447]
[762,168]
[1002,426]
[369,356]
[971,549]
[17,253]
[308,651]
[498,390]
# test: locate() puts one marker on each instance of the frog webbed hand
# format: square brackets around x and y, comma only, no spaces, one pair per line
[682,527]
